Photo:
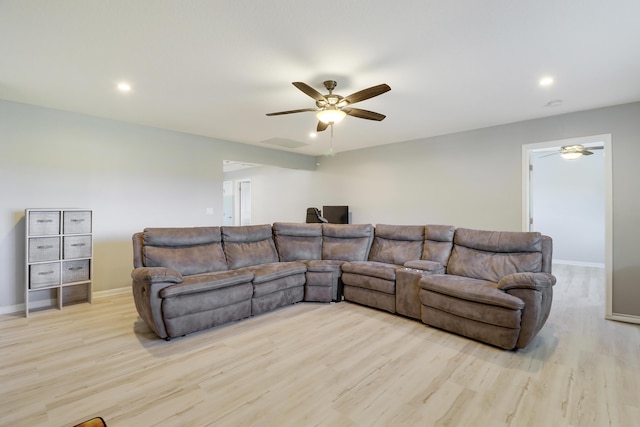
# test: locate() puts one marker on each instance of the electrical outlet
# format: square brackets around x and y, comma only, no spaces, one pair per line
[209,211]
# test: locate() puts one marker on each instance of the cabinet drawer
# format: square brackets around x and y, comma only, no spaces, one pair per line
[44,249]
[76,222]
[76,247]
[43,275]
[43,223]
[75,271]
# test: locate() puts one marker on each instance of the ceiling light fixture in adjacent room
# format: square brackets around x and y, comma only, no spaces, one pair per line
[570,156]
[572,152]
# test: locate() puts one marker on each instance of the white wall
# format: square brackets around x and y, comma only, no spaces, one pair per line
[131,176]
[568,204]
[277,194]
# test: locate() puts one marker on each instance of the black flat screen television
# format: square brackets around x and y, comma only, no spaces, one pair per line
[336,214]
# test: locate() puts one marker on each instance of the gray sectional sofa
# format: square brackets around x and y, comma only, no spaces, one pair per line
[494,287]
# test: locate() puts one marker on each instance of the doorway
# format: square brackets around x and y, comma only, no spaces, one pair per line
[531,220]
[236,202]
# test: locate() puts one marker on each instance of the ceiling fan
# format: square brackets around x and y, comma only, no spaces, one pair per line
[332,108]
[572,152]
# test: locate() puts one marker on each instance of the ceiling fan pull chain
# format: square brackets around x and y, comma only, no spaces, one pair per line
[331,141]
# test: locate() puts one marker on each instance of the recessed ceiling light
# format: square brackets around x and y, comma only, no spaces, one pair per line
[313,135]
[546,81]
[124,87]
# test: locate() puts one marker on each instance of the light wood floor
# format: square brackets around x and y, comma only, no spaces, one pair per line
[320,365]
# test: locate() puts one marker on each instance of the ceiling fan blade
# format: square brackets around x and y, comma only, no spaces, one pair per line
[364,114]
[595,148]
[322,126]
[302,110]
[310,91]
[586,153]
[367,93]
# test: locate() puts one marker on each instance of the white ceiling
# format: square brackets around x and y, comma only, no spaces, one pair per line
[215,68]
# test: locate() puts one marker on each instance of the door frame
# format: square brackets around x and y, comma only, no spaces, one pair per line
[605,139]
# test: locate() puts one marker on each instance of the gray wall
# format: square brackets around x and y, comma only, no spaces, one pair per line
[473,179]
[131,176]
[135,177]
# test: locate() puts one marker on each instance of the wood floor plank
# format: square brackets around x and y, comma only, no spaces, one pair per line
[320,365]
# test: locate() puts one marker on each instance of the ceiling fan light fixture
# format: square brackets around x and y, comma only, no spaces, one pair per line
[330,115]
[571,152]
[571,155]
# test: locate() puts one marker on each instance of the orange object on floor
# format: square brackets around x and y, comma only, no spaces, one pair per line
[93,422]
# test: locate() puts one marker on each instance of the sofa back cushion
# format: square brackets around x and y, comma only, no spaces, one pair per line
[438,243]
[248,245]
[346,242]
[298,241]
[491,255]
[396,244]
[187,250]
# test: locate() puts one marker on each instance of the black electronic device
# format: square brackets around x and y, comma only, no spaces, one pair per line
[336,214]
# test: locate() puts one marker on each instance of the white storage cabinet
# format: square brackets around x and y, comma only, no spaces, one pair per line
[59,257]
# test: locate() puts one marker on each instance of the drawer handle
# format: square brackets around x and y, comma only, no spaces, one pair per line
[74,268]
[44,220]
[78,244]
[45,273]
[77,220]
[45,247]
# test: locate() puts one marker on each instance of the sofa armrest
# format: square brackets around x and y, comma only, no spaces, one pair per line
[536,291]
[425,265]
[527,281]
[146,287]
[156,275]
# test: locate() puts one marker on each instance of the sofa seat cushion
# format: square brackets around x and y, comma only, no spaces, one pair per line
[372,269]
[469,289]
[325,265]
[206,282]
[276,270]
[432,267]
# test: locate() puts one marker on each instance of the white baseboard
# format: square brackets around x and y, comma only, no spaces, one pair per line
[579,263]
[624,318]
[111,292]
[17,308]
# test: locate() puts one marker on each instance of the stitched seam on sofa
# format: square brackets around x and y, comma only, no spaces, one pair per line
[189,287]
[479,321]
[509,301]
